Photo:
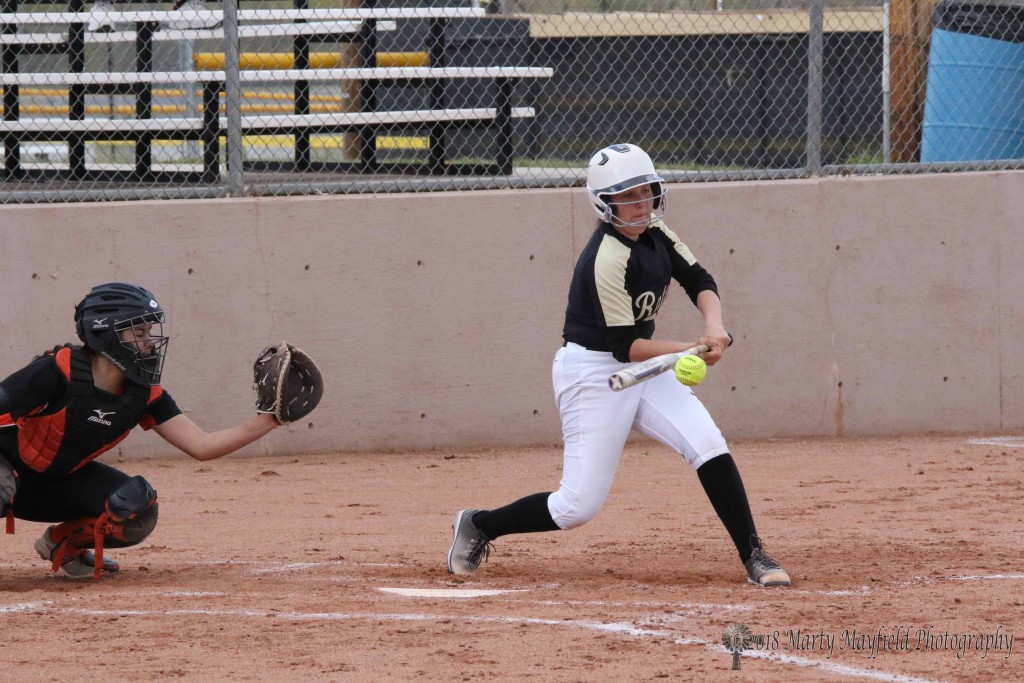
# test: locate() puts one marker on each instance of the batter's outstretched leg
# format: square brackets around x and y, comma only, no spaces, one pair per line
[762,569]
[724,487]
[474,530]
[469,544]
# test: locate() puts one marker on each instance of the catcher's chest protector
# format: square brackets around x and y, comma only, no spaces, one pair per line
[86,426]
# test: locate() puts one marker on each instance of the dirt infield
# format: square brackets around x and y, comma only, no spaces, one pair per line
[275,568]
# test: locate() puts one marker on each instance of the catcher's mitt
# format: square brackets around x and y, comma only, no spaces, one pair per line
[288,383]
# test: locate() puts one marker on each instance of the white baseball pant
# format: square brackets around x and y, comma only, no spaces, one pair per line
[596,422]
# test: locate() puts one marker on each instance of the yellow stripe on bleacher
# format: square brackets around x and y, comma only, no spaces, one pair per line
[128,110]
[214,61]
[180,94]
[321,141]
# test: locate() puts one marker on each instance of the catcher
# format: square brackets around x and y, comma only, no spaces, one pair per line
[72,404]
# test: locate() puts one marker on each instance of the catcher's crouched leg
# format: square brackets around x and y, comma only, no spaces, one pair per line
[130,515]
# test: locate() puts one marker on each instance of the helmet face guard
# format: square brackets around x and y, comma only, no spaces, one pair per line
[124,323]
[658,192]
[142,344]
[619,168]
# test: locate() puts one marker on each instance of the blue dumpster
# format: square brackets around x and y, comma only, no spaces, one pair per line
[974,101]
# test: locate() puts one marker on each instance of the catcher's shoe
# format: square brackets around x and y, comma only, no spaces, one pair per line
[8,484]
[764,571]
[469,544]
[80,566]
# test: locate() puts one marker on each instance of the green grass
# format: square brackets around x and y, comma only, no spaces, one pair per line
[865,157]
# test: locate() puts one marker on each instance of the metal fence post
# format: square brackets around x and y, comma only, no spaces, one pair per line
[185,49]
[815,80]
[886,88]
[233,95]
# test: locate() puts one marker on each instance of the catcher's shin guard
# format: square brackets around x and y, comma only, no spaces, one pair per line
[130,516]
[8,487]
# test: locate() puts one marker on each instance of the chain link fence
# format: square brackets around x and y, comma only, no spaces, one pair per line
[132,100]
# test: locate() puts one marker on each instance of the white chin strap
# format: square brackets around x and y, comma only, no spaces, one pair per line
[642,223]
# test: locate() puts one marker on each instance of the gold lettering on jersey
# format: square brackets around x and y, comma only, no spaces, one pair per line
[647,305]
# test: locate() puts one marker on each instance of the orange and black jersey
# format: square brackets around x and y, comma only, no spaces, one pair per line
[63,420]
[619,285]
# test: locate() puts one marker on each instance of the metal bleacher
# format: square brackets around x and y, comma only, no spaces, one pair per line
[306,27]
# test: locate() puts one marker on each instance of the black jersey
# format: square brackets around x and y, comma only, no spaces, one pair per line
[40,388]
[619,285]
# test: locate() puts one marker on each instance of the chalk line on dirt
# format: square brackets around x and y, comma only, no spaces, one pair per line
[455,593]
[602,627]
[1008,441]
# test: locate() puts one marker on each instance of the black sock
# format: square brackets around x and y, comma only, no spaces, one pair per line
[721,481]
[524,516]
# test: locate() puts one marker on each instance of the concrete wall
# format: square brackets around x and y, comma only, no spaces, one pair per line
[874,305]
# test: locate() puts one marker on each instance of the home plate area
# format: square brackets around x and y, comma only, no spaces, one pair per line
[902,552]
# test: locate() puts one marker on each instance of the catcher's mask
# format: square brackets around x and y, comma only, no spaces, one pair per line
[618,168]
[123,323]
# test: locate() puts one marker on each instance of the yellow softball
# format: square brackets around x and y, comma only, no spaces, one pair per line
[691,370]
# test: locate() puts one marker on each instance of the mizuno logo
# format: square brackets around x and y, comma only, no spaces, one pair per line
[100,417]
[100,324]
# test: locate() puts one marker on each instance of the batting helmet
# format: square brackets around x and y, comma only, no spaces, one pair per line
[123,323]
[618,168]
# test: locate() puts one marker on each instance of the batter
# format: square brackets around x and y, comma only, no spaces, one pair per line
[619,284]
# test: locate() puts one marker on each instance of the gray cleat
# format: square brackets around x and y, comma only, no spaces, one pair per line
[81,566]
[469,544]
[764,571]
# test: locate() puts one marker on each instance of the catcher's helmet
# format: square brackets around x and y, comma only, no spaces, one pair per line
[111,309]
[618,168]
